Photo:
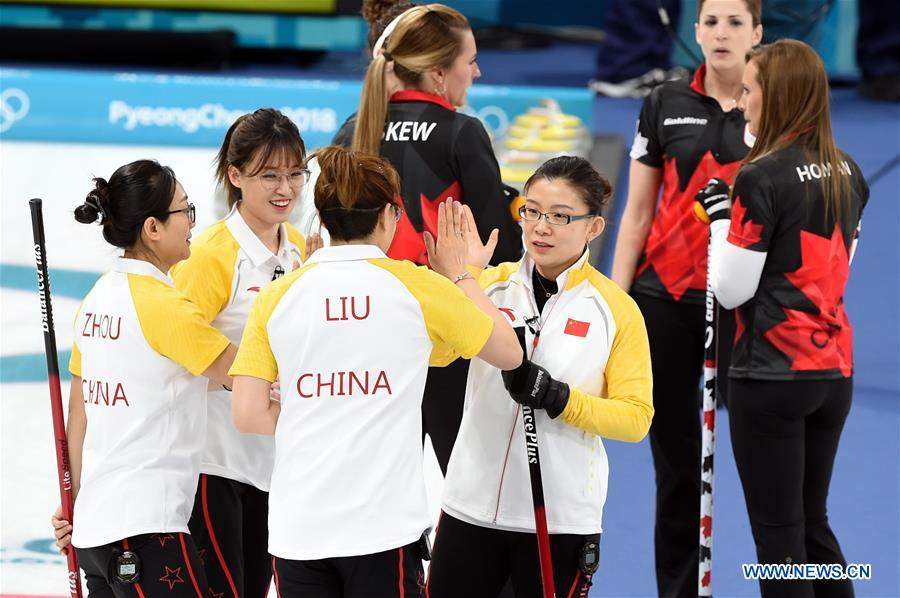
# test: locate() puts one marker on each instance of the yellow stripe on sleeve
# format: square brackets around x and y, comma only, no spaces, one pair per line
[254,357]
[174,326]
[297,238]
[206,276]
[627,410]
[456,326]
[75,361]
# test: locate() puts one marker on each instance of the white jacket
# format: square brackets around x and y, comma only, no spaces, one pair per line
[592,336]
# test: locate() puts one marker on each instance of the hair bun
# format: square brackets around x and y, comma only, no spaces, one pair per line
[92,209]
[375,10]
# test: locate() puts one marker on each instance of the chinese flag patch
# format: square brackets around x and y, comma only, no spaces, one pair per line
[577,327]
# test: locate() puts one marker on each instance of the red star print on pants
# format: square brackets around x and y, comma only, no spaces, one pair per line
[214,594]
[163,538]
[172,577]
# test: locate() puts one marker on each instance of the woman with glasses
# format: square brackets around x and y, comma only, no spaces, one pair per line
[261,166]
[586,371]
[141,361]
[351,335]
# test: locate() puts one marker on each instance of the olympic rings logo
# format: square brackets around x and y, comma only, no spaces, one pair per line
[493,118]
[14,105]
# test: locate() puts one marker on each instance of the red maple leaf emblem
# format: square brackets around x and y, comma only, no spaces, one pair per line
[743,234]
[676,245]
[817,334]
[706,526]
[408,243]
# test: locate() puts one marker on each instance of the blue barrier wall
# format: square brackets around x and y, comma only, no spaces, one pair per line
[191,110]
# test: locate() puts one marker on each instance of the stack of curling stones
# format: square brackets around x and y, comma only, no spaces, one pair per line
[543,132]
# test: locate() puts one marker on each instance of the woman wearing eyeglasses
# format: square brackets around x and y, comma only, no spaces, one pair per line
[351,335]
[261,166]
[137,400]
[587,373]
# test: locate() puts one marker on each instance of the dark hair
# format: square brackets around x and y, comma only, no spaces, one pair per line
[255,138]
[352,189]
[578,173]
[135,192]
[754,7]
[379,13]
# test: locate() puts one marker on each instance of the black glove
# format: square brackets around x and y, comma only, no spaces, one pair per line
[713,201]
[530,384]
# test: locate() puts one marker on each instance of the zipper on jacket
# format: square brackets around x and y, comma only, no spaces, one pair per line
[512,429]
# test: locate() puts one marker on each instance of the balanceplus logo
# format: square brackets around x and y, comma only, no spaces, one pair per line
[210,116]
[14,105]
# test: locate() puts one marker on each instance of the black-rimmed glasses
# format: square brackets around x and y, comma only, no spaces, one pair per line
[554,218]
[190,210]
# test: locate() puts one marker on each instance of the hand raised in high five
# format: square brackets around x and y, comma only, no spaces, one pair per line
[447,253]
[479,254]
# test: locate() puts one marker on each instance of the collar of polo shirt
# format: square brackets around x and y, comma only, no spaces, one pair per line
[127,265]
[249,242]
[345,253]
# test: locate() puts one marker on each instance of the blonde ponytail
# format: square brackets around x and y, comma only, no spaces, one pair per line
[372,109]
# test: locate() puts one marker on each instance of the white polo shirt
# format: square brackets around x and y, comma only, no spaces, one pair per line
[228,267]
[139,348]
[351,335]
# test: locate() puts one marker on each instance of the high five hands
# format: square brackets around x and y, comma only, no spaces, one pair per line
[458,243]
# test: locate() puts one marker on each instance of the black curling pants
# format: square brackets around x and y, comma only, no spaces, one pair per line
[785,436]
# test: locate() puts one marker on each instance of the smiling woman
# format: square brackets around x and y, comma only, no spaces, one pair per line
[261,166]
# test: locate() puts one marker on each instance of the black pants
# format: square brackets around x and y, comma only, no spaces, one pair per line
[230,525]
[169,567]
[442,407]
[676,353]
[476,562]
[785,436]
[635,39]
[395,573]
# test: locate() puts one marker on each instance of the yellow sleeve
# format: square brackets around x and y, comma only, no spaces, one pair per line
[627,410]
[75,357]
[174,326]
[206,276]
[254,356]
[456,326]
[75,361]
[297,238]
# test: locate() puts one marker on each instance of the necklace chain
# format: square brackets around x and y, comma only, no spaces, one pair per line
[541,282]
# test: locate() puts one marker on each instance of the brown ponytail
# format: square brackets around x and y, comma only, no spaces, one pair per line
[352,189]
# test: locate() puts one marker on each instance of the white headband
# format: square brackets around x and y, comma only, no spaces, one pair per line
[379,43]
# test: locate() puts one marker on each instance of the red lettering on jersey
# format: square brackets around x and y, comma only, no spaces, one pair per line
[347,383]
[382,383]
[120,395]
[101,326]
[740,233]
[300,390]
[340,314]
[98,393]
